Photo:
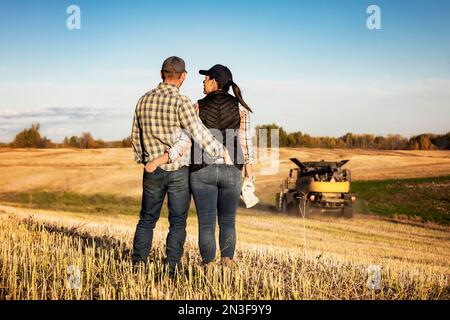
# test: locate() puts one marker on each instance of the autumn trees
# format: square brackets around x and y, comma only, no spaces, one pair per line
[32,138]
[350,140]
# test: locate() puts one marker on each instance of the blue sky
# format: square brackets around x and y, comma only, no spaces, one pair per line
[310,66]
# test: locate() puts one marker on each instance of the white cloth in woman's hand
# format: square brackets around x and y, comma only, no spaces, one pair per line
[248,192]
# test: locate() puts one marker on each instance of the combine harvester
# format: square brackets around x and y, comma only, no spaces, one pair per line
[320,186]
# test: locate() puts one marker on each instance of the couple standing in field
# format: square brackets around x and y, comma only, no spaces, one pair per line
[204,149]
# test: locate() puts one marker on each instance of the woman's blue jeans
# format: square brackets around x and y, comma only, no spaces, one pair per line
[216,189]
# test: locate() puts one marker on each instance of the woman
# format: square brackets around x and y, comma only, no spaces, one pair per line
[216,186]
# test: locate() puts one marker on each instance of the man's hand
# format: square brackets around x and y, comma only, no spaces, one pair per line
[155,163]
[150,167]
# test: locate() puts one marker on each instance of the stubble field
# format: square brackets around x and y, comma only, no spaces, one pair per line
[279,256]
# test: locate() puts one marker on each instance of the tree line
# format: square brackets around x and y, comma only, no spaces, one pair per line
[32,138]
[426,141]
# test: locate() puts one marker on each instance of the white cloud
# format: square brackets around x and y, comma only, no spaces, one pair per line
[56,123]
[68,113]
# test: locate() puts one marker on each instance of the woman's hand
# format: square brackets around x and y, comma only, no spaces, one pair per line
[227,157]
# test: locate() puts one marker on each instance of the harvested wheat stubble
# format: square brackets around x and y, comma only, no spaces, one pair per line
[274,260]
[36,253]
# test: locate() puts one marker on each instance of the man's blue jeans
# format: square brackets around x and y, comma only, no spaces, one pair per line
[216,189]
[155,187]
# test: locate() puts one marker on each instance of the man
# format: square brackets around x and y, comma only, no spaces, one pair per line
[160,116]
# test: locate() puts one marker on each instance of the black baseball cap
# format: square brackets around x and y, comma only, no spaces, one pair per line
[220,73]
[174,65]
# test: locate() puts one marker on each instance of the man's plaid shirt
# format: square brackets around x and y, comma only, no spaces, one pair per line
[160,116]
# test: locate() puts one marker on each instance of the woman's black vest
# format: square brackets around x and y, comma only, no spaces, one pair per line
[219,112]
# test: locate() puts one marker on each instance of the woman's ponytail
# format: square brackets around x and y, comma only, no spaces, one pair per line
[238,95]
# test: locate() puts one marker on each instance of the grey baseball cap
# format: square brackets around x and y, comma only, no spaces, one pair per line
[174,65]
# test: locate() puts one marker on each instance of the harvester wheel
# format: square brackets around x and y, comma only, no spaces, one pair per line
[347,212]
[282,204]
